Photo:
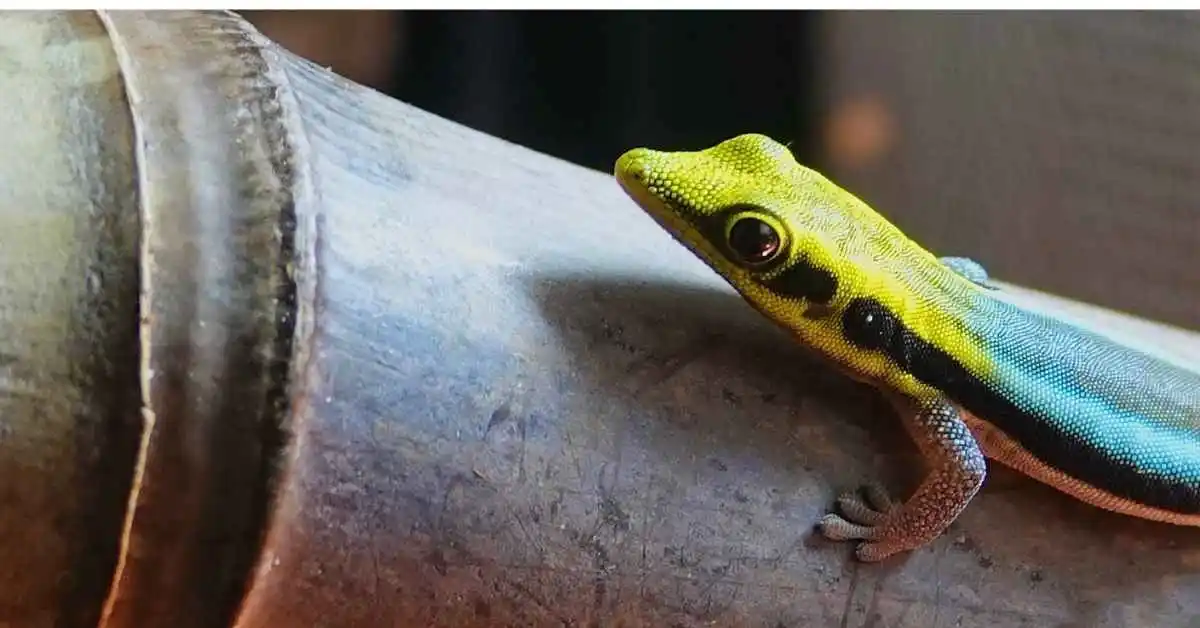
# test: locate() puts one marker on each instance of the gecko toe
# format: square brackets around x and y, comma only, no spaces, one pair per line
[835,528]
[878,497]
[856,510]
[862,517]
[873,552]
[874,547]
[870,511]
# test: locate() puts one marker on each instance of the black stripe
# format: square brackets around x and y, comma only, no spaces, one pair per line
[869,325]
[805,281]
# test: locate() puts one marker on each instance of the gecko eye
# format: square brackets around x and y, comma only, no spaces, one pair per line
[754,241]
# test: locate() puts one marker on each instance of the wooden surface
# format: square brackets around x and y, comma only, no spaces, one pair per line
[530,407]
[512,400]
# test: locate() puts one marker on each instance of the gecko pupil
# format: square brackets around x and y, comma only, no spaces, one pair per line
[753,240]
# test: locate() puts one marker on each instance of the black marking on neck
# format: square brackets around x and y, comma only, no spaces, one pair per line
[869,325]
[804,280]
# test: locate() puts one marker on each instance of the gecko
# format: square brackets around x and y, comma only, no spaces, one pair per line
[972,377]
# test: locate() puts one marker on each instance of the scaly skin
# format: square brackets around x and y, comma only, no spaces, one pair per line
[971,375]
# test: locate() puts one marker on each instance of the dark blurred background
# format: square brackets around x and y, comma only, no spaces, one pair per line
[1060,149]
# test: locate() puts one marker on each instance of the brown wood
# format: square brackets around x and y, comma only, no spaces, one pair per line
[400,373]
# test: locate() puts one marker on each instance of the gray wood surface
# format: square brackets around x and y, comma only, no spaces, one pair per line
[512,399]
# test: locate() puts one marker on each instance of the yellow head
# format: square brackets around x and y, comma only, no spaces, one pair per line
[799,248]
[759,218]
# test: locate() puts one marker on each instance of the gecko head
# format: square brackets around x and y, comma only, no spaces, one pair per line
[747,208]
[801,250]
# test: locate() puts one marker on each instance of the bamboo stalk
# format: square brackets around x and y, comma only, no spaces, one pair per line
[277,350]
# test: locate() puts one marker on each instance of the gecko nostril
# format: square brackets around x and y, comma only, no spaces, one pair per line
[634,166]
[637,172]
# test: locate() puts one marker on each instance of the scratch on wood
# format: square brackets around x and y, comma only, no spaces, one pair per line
[849,597]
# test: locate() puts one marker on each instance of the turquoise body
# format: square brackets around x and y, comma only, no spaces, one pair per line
[1121,420]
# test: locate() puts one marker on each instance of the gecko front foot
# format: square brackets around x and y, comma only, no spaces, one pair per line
[888,527]
[861,519]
